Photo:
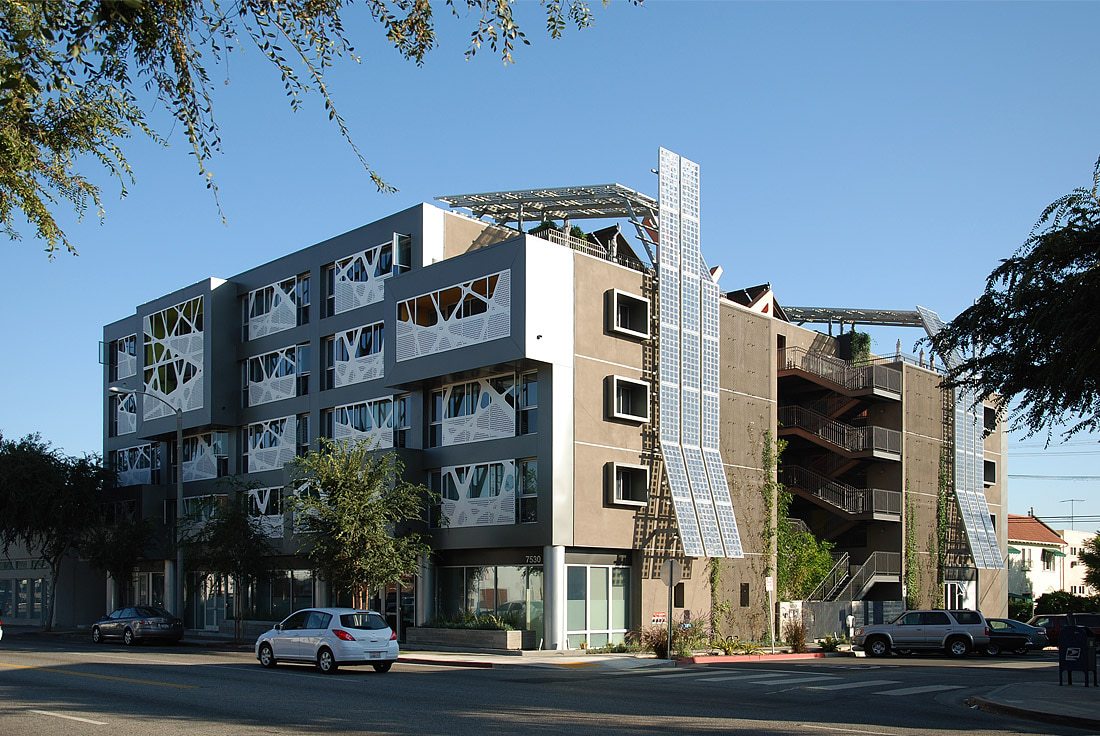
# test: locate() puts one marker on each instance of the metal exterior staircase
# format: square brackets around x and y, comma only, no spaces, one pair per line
[841,373]
[842,496]
[838,434]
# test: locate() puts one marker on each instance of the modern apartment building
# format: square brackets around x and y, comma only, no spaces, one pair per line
[588,405]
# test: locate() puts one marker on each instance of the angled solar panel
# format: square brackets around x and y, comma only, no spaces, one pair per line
[969,464]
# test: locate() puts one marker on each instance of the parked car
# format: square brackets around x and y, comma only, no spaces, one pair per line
[1008,635]
[1,629]
[138,623]
[330,638]
[954,632]
[1055,622]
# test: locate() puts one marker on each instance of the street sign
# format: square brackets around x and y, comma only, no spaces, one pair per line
[672,572]
[769,584]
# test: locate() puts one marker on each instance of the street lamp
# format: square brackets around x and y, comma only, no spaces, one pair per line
[177,582]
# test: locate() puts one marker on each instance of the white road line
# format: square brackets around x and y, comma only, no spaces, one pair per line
[69,718]
[694,673]
[844,730]
[799,680]
[853,685]
[919,690]
[761,678]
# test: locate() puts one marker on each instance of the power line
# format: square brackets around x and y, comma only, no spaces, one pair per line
[1055,477]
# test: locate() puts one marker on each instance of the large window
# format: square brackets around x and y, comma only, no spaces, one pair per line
[628,314]
[280,374]
[527,412]
[627,399]
[279,306]
[527,507]
[123,357]
[511,592]
[354,356]
[597,607]
[627,485]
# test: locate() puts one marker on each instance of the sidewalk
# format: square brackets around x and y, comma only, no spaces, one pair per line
[1065,705]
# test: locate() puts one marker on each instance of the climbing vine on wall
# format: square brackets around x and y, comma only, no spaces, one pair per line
[912,569]
[943,507]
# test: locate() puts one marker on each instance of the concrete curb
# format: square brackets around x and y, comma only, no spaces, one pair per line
[723,658]
[449,663]
[1059,719]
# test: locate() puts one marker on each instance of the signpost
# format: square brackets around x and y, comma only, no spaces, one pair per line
[672,571]
[769,586]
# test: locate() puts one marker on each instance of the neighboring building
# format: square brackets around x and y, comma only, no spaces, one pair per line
[1073,570]
[1037,557]
[25,583]
[584,414]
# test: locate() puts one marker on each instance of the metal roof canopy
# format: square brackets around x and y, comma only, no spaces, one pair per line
[839,315]
[596,201]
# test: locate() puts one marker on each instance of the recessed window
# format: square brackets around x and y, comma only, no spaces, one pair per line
[627,399]
[990,472]
[989,418]
[527,410]
[527,505]
[628,314]
[627,485]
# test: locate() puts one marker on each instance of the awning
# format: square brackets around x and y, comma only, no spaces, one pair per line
[1012,550]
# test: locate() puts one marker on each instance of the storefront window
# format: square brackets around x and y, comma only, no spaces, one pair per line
[597,605]
[514,593]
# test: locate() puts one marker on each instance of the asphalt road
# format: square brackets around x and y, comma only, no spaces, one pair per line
[58,685]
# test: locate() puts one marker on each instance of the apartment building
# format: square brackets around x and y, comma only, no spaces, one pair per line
[587,405]
[1037,557]
[1073,569]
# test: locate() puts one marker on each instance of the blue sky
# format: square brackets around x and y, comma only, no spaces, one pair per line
[863,155]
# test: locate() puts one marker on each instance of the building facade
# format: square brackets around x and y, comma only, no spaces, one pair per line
[581,422]
[1073,569]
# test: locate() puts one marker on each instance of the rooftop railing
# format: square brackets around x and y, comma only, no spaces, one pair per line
[841,372]
[593,249]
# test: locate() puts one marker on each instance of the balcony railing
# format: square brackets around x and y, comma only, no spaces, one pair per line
[559,238]
[879,563]
[844,436]
[843,496]
[833,580]
[841,372]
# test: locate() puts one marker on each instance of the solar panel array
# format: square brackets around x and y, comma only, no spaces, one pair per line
[969,464]
[689,370]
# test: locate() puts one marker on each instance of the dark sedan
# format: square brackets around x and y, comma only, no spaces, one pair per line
[1007,635]
[138,623]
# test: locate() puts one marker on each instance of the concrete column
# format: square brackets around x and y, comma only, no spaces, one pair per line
[425,592]
[553,566]
[320,593]
[170,589]
[110,594]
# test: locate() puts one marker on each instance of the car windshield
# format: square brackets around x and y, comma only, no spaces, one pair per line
[363,620]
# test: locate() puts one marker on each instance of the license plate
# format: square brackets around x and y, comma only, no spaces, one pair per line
[374,655]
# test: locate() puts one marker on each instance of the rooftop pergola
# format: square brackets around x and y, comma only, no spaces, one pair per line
[841,315]
[596,201]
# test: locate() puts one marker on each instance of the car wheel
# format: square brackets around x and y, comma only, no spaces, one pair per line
[992,649]
[267,657]
[957,647]
[97,635]
[326,662]
[878,647]
[128,638]
[383,666]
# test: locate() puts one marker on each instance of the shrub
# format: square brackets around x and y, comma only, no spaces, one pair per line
[830,644]
[794,633]
[652,638]
[484,621]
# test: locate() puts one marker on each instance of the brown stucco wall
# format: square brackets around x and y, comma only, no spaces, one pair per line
[463,234]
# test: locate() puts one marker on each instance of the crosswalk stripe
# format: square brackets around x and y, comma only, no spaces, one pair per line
[694,673]
[799,680]
[851,685]
[761,678]
[919,690]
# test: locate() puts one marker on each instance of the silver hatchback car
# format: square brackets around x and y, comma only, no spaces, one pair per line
[329,638]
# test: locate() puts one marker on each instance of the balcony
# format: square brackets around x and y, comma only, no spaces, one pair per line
[861,503]
[877,442]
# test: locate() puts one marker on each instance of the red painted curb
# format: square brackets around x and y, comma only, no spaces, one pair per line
[722,658]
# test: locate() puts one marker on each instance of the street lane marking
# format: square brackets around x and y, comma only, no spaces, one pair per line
[851,685]
[69,718]
[760,678]
[799,680]
[695,673]
[919,690]
[92,675]
[844,730]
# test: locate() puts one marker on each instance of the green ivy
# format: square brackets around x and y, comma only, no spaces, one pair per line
[912,571]
[943,507]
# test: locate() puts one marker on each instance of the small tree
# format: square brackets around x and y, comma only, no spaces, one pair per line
[47,502]
[223,538]
[1090,556]
[114,545]
[1060,601]
[355,515]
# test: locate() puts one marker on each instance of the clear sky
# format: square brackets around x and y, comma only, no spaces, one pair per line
[863,155]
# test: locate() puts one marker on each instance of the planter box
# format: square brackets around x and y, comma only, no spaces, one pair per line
[470,638]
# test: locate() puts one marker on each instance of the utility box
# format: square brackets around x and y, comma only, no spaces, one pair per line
[1076,653]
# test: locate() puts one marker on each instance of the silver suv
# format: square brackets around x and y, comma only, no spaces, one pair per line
[954,632]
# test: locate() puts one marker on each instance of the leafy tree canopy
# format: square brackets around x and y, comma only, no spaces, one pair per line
[1033,336]
[357,516]
[1059,601]
[802,559]
[1090,556]
[115,545]
[77,76]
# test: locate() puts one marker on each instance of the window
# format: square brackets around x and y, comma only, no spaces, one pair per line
[328,280]
[990,471]
[435,485]
[627,399]
[744,595]
[352,349]
[123,357]
[527,418]
[301,446]
[527,507]
[627,485]
[435,420]
[989,418]
[301,299]
[402,421]
[261,374]
[403,248]
[628,314]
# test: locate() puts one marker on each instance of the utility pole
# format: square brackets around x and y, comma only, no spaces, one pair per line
[1071,502]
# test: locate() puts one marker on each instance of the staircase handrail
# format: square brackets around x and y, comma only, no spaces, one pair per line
[853,439]
[878,563]
[832,580]
[839,371]
[843,496]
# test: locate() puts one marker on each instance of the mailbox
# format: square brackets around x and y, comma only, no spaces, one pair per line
[1076,653]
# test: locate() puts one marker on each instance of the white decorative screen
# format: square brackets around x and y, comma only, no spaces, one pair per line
[173,359]
[371,421]
[484,409]
[359,280]
[969,464]
[689,370]
[126,414]
[271,444]
[126,357]
[272,376]
[359,355]
[265,507]
[469,313]
[479,495]
[135,465]
[272,309]
[200,456]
